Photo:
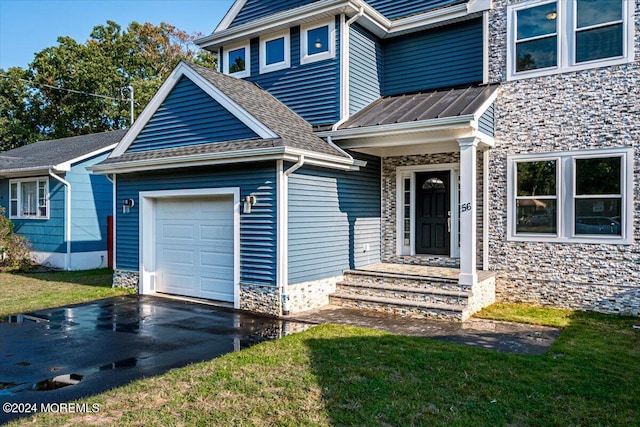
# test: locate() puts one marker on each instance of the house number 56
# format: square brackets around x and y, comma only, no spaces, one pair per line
[465,207]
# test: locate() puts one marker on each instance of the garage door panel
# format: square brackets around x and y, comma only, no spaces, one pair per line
[176,231]
[177,282]
[195,247]
[217,232]
[218,260]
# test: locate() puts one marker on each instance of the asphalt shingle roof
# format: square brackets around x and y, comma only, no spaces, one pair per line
[47,154]
[421,106]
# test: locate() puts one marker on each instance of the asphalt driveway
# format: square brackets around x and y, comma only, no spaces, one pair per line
[107,343]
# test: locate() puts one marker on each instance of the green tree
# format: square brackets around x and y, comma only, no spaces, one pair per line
[140,56]
[19,110]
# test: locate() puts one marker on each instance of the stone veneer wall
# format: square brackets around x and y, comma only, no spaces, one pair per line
[389,197]
[126,279]
[260,299]
[597,108]
[309,295]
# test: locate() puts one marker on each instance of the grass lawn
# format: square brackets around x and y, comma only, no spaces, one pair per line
[348,376]
[24,292]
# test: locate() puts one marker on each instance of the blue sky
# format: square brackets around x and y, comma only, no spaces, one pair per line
[28,26]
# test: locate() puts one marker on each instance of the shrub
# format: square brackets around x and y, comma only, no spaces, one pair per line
[15,250]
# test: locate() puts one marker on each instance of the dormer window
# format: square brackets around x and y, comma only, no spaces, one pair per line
[318,42]
[275,52]
[237,61]
[549,37]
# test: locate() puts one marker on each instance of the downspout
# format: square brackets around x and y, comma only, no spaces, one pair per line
[67,227]
[284,232]
[344,74]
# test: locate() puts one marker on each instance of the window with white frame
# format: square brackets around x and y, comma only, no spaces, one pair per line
[275,52]
[547,37]
[581,196]
[29,198]
[237,60]
[318,41]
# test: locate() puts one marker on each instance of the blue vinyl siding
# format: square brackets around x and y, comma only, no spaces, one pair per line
[392,9]
[443,56]
[486,123]
[257,229]
[365,68]
[332,214]
[254,9]
[91,204]
[45,235]
[189,116]
[311,90]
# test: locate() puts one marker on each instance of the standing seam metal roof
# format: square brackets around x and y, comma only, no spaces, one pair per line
[421,106]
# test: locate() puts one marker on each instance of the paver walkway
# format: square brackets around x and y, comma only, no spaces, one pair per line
[505,337]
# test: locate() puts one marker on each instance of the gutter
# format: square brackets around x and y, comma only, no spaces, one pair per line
[67,227]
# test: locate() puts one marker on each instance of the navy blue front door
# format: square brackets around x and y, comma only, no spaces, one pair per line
[433,213]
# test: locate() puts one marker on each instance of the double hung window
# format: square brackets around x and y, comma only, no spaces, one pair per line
[571,196]
[29,198]
[547,37]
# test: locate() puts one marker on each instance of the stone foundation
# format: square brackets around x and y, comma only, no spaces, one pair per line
[126,279]
[309,295]
[618,299]
[260,299]
[483,294]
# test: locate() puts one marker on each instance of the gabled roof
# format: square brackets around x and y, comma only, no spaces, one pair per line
[56,154]
[424,106]
[389,21]
[282,134]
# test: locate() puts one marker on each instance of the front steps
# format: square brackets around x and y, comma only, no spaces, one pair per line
[429,292]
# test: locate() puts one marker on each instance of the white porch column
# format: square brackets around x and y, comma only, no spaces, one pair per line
[468,210]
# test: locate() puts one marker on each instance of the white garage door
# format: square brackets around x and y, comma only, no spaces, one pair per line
[194,247]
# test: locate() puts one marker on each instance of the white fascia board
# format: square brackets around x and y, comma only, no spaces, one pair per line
[474,6]
[230,15]
[401,128]
[270,23]
[66,166]
[243,156]
[26,172]
[374,21]
[426,19]
[183,69]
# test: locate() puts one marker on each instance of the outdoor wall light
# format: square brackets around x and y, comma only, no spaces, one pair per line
[127,204]
[249,202]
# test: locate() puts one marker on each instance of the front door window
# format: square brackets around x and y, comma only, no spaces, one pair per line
[433,213]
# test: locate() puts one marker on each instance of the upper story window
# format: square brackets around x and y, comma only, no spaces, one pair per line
[582,197]
[237,60]
[29,198]
[275,52]
[548,37]
[318,41]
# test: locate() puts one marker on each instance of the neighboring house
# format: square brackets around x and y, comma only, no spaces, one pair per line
[56,203]
[417,157]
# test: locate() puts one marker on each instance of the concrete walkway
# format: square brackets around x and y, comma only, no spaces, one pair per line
[505,337]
